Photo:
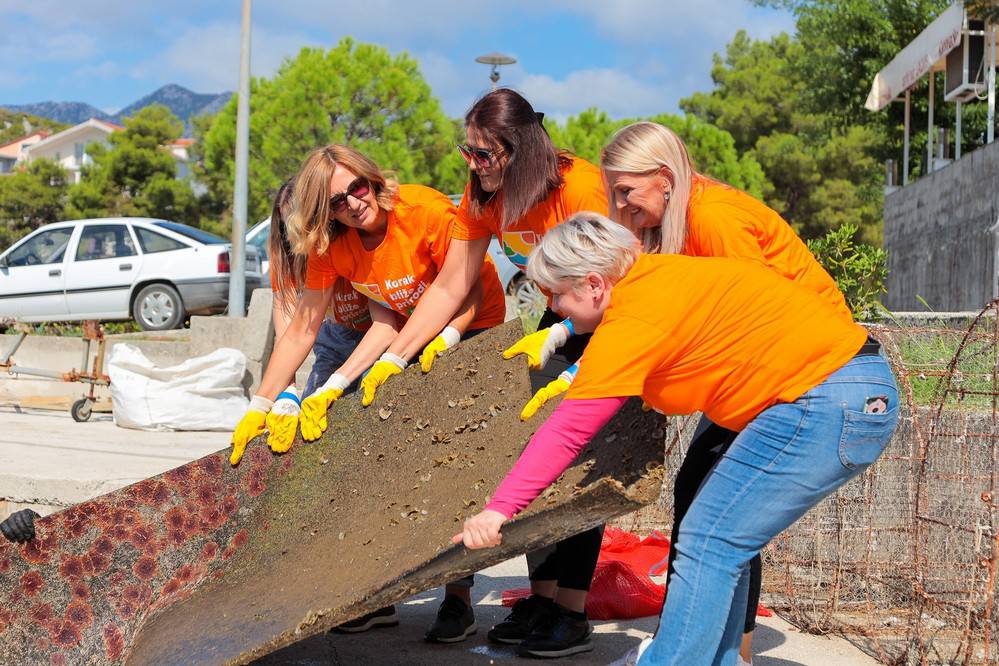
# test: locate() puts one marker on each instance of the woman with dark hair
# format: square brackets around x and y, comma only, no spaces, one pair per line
[520,186]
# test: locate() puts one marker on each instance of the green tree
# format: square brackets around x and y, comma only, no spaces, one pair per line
[30,198]
[712,150]
[822,175]
[860,270]
[354,93]
[136,175]
[16,125]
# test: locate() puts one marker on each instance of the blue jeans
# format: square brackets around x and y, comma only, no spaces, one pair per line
[782,464]
[334,344]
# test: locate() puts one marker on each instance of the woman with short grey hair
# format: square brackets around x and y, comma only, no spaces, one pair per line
[812,401]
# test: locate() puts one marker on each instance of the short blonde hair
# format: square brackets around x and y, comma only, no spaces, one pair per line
[311,226]
[642,148]
[586,242]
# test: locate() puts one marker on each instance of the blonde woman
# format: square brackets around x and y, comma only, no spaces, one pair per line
[654,191]
[812,401]
[389,241]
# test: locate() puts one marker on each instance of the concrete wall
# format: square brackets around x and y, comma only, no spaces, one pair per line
[939,236]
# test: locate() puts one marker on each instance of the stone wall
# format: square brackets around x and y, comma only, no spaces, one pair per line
[940,238]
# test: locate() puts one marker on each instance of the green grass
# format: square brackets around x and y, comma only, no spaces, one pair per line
[927,356]
[69,328]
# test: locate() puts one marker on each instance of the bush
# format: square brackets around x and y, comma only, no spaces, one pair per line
[860,270]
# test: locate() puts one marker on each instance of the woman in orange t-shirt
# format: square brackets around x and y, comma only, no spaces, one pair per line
[389,241]
[655,192]
[813,402]
[519,188]
[348,318]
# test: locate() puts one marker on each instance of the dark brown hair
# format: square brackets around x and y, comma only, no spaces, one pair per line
[534,167]
[286,267]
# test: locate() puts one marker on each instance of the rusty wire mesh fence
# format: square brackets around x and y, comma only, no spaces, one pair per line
[904,560]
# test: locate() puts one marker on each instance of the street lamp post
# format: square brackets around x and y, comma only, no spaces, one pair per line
[495,59]
[237,273]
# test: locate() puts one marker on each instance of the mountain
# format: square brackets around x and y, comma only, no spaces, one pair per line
[70,113]
[182,103]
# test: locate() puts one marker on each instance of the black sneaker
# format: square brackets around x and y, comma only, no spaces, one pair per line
[383,617]
[523,617]
[557,634]
[455,622]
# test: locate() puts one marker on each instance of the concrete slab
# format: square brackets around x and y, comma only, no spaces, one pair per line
[777,643]
[47,458]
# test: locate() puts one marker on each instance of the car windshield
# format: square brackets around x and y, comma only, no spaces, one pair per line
[191,232]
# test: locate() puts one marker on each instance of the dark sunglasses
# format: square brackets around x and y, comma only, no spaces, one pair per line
[358,188]
[480,157]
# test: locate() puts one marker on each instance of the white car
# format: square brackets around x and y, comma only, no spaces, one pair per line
[154,271]
[529,300]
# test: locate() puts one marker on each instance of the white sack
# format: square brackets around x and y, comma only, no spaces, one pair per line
[203,393]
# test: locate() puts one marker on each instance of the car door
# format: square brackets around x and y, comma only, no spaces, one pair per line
[100,273]
[32,279]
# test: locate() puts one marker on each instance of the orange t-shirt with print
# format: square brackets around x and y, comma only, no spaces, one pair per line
[397,272]
[347,307]
[727,337]
[724,222]
[582,189]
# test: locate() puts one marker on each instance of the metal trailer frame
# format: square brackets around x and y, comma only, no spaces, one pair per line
[94,376]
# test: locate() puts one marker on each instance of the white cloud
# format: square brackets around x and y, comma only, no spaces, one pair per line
[652,21]
[206,58]
[610,90]
[47,46]
[427,21]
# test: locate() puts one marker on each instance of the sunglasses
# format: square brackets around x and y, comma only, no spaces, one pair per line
[358,189]
[480,157]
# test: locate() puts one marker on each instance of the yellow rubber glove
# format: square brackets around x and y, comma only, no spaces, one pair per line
[385,367]
[282,421]
[448,338]
[251,425]
[315,407]
[540,345]
[557,386]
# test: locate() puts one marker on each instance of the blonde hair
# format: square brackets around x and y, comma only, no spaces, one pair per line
[643,148]
[311,226]
[585,242]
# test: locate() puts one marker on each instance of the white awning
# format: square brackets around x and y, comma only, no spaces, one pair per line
[915,60]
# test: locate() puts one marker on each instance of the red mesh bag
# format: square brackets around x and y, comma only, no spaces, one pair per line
[622,588]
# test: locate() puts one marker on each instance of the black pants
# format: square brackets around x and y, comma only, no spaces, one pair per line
[710,443]
[570,562]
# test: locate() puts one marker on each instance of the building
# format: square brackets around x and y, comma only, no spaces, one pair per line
[942,231]
[68,148]
[14,152]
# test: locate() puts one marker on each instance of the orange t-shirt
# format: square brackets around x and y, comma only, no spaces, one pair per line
[582,189]
[398,271]
[727,337]
[724,222]
[347,307]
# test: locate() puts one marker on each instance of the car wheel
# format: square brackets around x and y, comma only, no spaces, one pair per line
[530,302]
[158,307]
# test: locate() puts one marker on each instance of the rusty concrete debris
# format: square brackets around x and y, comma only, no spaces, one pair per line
[208,564]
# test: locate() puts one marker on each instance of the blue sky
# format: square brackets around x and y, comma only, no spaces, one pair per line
[627,57]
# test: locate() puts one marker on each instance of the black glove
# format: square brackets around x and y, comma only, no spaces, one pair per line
[19,526]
